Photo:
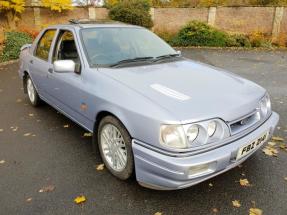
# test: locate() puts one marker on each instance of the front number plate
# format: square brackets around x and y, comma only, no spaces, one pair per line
[247,149]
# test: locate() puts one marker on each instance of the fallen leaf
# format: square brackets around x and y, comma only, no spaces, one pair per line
[158,213]
[29,200]
[87,134]
[48,188]
[27,134]
[270,151]
[66,126]
[19,100]
[271,143]
[215,210]
[244,182]
[236,203]
[80,199]
[15,129]
[31,114]
[277,139]
[210,184]
[100,167]
[285,178]
[255,211]
[2,161]
[1,130]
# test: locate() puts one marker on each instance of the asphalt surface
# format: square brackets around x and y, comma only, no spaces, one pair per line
[52,155]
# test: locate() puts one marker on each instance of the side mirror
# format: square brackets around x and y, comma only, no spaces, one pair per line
[64,66]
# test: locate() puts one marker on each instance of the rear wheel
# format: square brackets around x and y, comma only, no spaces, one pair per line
[115,146]
[32,92]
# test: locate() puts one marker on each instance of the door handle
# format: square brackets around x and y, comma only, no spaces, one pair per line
[50,70]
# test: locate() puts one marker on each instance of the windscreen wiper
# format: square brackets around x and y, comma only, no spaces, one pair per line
[161,57]
[131,60]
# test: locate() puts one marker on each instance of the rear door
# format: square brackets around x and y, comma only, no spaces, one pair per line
[40,64]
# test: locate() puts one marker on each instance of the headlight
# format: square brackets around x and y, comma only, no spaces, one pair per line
[173,136]
[192,133]
[205,132]
[211,128]
[265,106]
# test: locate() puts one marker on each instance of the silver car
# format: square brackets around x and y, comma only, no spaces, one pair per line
[172,121]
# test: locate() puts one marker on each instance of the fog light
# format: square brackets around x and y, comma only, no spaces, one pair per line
[201,169]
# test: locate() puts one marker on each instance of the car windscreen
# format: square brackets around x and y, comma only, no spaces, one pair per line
[106,46]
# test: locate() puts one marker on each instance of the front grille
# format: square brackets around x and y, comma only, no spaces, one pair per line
[244,122]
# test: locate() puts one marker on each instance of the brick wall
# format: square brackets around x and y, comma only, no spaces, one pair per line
[231,19]
[172,19]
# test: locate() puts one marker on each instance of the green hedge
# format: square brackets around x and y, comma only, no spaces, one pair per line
[135,12]
[198,33]
[12,44]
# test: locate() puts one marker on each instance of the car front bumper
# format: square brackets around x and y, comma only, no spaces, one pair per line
[164,172]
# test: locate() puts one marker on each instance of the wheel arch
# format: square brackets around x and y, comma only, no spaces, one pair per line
[103,113]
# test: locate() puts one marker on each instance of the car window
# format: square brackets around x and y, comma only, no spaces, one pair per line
[44,44]
[66,47]
[105,46]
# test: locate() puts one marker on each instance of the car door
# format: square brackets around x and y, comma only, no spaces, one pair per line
[67,89]
[39,64]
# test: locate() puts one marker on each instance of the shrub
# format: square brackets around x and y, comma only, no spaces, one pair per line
[238,40]
[12,44]
[198,33]
[134,12]
[258,39]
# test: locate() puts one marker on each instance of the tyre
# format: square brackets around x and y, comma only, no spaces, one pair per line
[115,146]
[32,92]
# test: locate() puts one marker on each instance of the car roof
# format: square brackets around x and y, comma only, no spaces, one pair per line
[95,24]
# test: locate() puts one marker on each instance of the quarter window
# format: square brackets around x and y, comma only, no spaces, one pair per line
[44,45]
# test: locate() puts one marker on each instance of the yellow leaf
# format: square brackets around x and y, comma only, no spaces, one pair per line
[277,138]
[100,167]
[80,199]
[2,161]
[270,151]
[158,213]
[87,134]
[271,143]
[285,178]
[210,184]
[19,100]
[31,114]
[236,203]
[244,182]
[1,130]
[255,211]
[215,210]
[66,126]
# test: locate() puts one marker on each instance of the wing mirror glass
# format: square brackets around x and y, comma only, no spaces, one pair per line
[64,66]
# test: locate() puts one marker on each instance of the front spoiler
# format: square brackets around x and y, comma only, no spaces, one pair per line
[162,172]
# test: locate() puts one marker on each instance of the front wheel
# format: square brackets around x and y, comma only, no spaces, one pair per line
[32,92]
[115,146]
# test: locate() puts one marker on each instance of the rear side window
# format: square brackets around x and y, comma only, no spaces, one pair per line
[44,45]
